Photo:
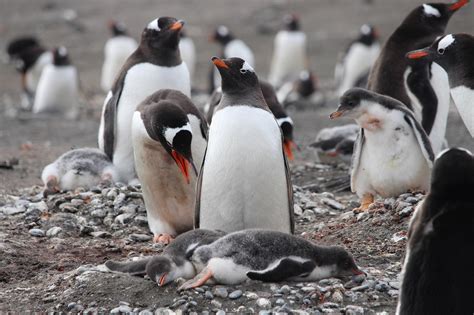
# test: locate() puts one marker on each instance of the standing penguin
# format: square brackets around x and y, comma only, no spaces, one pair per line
[188,52]
[354,66]
[437,273]
[116,51]
[289,52]
[58,88]
[30,58]
[155,65]
[169,138]
[454,54]
[231,47]
[392,153]
[268,256]
[422,87]
[245,181]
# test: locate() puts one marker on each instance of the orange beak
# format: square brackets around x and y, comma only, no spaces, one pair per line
[219,63]
[336,114]
[177,26]
[182,164]
[417,54]
[458,5]
[288,147]
[162,280]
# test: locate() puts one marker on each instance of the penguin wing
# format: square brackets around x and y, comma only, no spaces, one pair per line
[213,102]
[197,207]
[286,268]
[134,268]
[358,144]
[110,119]
[289,188]
[421,137]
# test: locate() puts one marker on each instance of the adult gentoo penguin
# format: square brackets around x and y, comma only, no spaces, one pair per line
[30,58]
[422,87]
[169,139]
[454,54]
[58,88]
[245,182]
[86,167]
[188,52]
[173,263]
[354,66]
[284,121]
[437,273]
[392,153]
[289,52]
[230,47]
[155,65]
[269,256]
[116,51]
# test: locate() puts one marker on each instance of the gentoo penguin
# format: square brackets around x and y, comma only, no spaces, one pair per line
[336,141]
[169,139]
[155,65]
[86,167]
[244,181]
[304,88]
[284,121]
[289,52]
[188,52]
[231,47]
[30,58]
[437,272]
[58,88]
[268,256]
[422,87]
[354,66]
[392,153]
[453,53]
[173,263]
[116,51]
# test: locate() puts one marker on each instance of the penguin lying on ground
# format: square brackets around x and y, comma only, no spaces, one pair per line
[392,153]
[169,137]
[454,54]
[268,256]
[173,263]
[244,181]
[284,121]
[155,65]
[116,51]
[437,273]
[84,167]
[58,87]
[336,141]
[302,90]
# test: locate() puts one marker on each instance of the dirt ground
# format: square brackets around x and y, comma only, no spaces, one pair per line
[30,266]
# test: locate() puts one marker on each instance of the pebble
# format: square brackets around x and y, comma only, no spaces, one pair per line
[330,305]
[264,303]
[216,304]
[36,232]
[12,210]
[412,200]
[337,297]
[297,209]
[99,213]
[285,289]
[123,218]
[67,207]
[393,293]
[41,206]
[209,295]
[358,278]
[332,203]
[362,216]
[251,295]
[395,284]
[220,312]
[163,311]
[405,212]
[235,294]
[308,289]
[178,303]
[360,288]
[54,231]
[280,302]
[140,237]
[354,310]
[220,292]
[141,220]
[101,234]
[77,202]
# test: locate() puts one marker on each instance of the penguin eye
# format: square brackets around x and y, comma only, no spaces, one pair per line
[441,51]
[243,71]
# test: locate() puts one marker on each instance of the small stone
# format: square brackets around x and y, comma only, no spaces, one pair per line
[337,297]
[358,278]
[67,207]
[251,295]
[77,202]
[101,234]
[216,304]
[360,288]
[178,303]
[164,311]
[362,216]
[354,310]
[389,203]
[220,312]
[235,294]
[330,305]
[405,212]
[141,220]
[285,289]
[280,302]
[395,284]
[332,203]
[412,200]
[297,209]
[382,287]
[41,206]
[308,289]
[199,290]
[122,309]
[208,295]
[54,231]
[12,210]
[140,237]
[85,230]
[399,236]
[311,205]
[99,213]
[401,205]
[220,292]
[124,218]
[264,303]
[36,232]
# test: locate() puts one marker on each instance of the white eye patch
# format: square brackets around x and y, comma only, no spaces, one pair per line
[445,42]
[246,67]
[304,75]
[429,10]
[223,30]
[365,29]
[153,25]
[62,51]
[170,133]
[280,121]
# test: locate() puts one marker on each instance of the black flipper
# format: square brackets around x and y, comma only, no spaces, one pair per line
[285,269]
[110,121]
[135,268]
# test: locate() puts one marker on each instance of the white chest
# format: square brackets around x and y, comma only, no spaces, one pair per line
[463,98]
[440,83]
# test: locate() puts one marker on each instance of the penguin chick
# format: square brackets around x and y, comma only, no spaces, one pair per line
[268,256]
[336,141]
[437,272]
[392,153]
[303,89]
[86,167]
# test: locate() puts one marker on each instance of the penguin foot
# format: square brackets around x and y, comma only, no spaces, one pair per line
[164,238]
[366,201]
[198,280]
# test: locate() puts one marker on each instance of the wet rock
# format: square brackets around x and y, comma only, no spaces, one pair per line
[208,295]
[163,311]
[220,292]
[358,278]
[216,304]
[395,284]
[285,289]
[264,303]
[54,231]
[362,287]
[412,200]
[297,209]
[36,232]
[405,212]
[280,302]
[85,230]
[77,202]
[401,205]
[124,218]
[363,216]
[337,297]
[67,207]
[332,203]
[99,213]
[101,234]
[141,220]
[354,310]
[178,303]
[235,294]
[12,210]
[122,309]
[220,312]
[251,295]
[140,237]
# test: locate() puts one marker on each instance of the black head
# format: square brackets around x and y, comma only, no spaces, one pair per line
[237,75]
[160,269]
[307,83]
[117,28]
[20,45]
[61,56]
[368,34]
[350,103]
[168,124]
[345,264]
[432,18]
[345,147]
[453,52]
[222,35]
[291,22]
[162,36]
[24,52]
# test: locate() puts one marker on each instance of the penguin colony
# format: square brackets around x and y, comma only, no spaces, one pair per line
[221,184]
